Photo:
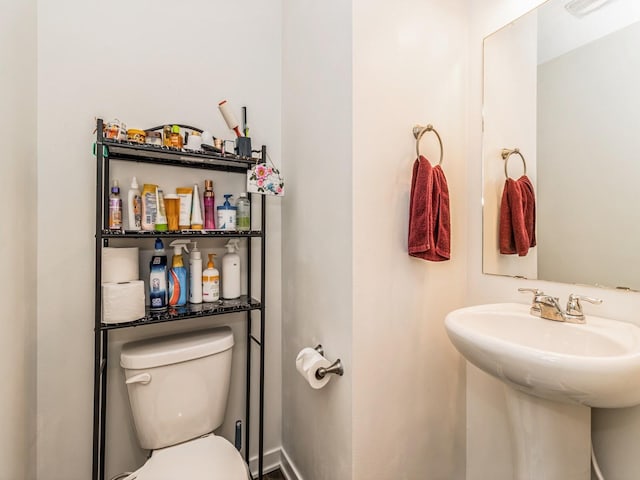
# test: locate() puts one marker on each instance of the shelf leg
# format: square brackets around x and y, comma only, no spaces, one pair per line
[96,403]
[247,423]
[103,402]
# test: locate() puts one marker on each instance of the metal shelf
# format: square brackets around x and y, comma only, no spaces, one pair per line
[111,234]
[173,314]
[110,150]
[137,152]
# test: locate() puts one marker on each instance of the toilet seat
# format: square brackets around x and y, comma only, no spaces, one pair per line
[205,458]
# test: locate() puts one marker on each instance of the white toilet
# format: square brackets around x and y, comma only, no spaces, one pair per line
[178,387]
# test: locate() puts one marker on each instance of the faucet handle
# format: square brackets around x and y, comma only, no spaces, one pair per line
[535,306]
[535,291]
[573,304]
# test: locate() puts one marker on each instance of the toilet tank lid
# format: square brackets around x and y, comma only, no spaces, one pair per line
[166,350]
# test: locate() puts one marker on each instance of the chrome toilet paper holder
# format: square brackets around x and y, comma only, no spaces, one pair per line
[335,368]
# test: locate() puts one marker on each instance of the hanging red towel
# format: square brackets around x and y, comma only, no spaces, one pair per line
[517,217]
[429,216]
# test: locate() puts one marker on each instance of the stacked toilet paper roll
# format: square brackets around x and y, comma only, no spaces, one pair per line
[120,265]
[308,362]
[122,291]
[122,302]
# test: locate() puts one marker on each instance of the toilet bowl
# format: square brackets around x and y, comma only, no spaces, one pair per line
[178,387]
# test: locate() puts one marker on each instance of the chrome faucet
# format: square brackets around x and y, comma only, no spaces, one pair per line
[548,307]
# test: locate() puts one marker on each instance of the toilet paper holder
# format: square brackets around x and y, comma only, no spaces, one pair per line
[335,368]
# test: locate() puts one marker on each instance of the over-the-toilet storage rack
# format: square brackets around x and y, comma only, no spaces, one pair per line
[106,151]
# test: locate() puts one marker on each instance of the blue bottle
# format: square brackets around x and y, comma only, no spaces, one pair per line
[178,286]
[158,278]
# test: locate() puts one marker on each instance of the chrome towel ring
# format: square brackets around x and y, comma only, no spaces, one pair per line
[419,131]
[506,154]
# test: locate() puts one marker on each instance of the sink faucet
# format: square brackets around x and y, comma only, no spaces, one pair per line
[548,307]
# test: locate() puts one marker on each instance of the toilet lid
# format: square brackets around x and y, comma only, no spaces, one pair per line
[205,458]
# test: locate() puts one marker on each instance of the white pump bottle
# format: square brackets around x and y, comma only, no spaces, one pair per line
[231,271]
[195,275]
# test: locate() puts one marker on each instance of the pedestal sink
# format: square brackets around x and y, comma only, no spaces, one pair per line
[553,373]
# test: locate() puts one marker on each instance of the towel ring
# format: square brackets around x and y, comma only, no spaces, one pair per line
[419,131]
[506,154]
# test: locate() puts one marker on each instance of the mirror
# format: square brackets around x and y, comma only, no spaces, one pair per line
[562,84]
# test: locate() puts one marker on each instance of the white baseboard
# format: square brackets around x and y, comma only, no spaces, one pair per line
[271,462]
[288,468]
[274,459]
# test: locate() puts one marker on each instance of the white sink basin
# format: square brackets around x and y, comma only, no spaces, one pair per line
[596,364]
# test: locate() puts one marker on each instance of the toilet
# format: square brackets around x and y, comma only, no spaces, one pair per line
[178,387]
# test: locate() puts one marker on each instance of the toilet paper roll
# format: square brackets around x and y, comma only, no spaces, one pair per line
[120,265]
[308,362]
[122,302]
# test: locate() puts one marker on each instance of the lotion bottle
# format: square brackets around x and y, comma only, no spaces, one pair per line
[178,275]
[195,275]
[134,206]
[211,282]
[231,271]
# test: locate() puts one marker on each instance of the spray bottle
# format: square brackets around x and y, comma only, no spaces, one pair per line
[158,278]
[211,282]
[195,275]
[178,275]
[231,271]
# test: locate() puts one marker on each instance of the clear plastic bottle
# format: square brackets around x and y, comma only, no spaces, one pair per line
[243,219]
[115,207]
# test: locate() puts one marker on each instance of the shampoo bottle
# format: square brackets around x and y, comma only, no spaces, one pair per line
[209,207]
[231,271]
[211,282]
[227,215]
[158,278]
[195,275]
[161,214]
[178,275]
[115,207]
[134,206]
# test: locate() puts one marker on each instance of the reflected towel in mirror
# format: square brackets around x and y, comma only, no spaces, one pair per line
[517,217]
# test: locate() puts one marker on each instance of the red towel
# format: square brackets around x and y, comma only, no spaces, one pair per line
[517,217]
[429,217]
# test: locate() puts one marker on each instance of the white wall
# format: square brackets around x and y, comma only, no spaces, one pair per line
[410,67]
[18,239]
[317,232]
[614,431]
[146,63]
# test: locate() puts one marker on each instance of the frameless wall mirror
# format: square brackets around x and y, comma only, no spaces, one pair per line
[562,84]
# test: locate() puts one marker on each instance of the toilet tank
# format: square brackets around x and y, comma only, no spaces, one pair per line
[178,385]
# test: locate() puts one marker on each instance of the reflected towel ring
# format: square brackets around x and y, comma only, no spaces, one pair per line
[419,131]
[506,153]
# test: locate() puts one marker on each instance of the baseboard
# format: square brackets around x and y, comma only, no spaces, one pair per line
[289,470]
[274,459]
[270,463]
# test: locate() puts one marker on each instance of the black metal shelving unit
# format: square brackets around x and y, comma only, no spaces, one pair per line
[107,150]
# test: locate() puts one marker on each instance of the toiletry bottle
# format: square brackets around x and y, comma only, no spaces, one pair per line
[186,196]
[176,138]
[178,275]
[227,215]
[243,214]
[149,206]
[115,207]
[166,135]
[209,206]
[158,278]
[195,275]
[134,206]
[161,214]
[196,210]
[211,282]
[231,271]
